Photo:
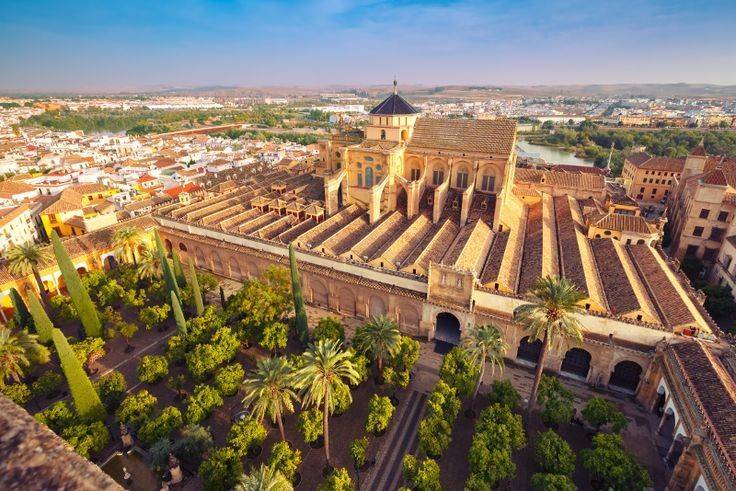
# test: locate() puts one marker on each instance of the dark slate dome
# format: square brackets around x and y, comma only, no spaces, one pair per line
[394,105]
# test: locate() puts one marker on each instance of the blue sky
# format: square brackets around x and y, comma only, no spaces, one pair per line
[107,45]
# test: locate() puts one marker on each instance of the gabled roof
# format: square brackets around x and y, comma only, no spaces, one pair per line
[638,158]
[394,104]
[488,136]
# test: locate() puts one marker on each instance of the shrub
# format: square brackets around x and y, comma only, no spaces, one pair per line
[435,429]
[459,371]
[246,435]
[504,393]
[599,412]
[274,335]
[229,378]
[556,400]
[362,366]
[57,417]
[497,434]
[609,462]
[159,451]
[342,398]
[328,328]
[19,392]
[552,482]
[176,348]
[310,424]
[111,388]
[221,470]
[195,442]
[136,409]
[89,349]
[48,383]
[421,475]
[338,480]
[201,404]
[86,400]
[154,316]
[87,439]
[63,308]
[553,454]
[285,459]
[153,368]
[380,411]
[161,426]
[359,452]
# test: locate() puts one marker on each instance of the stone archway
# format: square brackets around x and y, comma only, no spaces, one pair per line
[346,302]
[529,352]
[447,329]
[576,363]
[626,376]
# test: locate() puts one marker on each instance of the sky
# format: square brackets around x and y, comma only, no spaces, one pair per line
[105,45]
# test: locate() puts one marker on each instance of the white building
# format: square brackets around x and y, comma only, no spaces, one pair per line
[16,227]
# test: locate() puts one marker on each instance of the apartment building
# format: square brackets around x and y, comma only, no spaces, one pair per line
[649,180]
[16,227]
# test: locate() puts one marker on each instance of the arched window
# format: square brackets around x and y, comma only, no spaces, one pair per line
[383,134]
[461,179]
[416,173]
[438,176]
[488,182]
[369,177]
[404,135]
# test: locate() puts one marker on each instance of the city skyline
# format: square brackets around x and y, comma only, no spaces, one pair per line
[80,46]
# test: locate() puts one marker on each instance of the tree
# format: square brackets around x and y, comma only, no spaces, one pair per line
[47,384]
[196,292]
[617,469]
[86,438]
[435,429]
[229,378]
[22,317]
[338,480]
[246,436]
[380,411]
[18,352]
[18,392]
[556,400]
[25,259]
[126,240]
[359,452]
[550,317]
[379,338]
[57,417]
[552,482]
[178,269]
[553,454]
[484,343]
[79,295]
[86,401]
[181,323]
[111,388]
[329,328]
[343,398]
[40,318]
[88,351]
[195,442]
[504,393]
[154,316]
[599,412]
[285,459]
[201,404]
[136,409]
[127,330]
[221,470]
[223,300]
[169,279]
[296,290]
[459,371]
[149,264]
[310,423]
[153,368]
[268,390]
[325,365]
[274,336]
[421,475]
[265,478]
[161,426]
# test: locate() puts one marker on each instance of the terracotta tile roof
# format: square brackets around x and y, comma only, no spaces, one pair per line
[7,215]
[488,136]
[531,262]
[638,158]
[619,292]
[9,188]
[494,258]
[571,263]
[434,245]
[622,223]
[699,150]
[581,169]
[575,180]
[667,164]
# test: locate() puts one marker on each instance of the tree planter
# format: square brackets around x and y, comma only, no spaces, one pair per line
[296,480]
[470,414]
[318,443]
[254,452]
[379,434]
[327,470]
[129,349]
[394,400]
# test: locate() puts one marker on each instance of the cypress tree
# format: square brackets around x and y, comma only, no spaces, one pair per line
[86,400]
[181,323]
[77,292]
[178,269]
[21,315]
[296,289]
[223,300]
[196,292]
[40,318]
[169,278]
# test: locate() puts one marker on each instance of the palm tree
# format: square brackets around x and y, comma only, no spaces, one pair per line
[482,344]
[17,352]
[380,337]
[268,390]
[325,367]
[550,317]
[126,240]
[149,264]
[265,478]
[24,260]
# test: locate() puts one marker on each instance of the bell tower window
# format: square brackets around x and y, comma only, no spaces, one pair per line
[383,134]
[438,177]
[488,183]
[461,181]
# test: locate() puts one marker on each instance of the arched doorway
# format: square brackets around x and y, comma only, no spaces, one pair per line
[576,363]
[217,266]
[376,307]
[626,375]
[319,293]
[168,245]
[369,177]
[529,351]
[235,272]
[448,329]
[110,263]
[347,302]
[82,270]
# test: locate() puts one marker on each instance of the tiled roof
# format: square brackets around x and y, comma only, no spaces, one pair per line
[623,223]
[575,180]
[486,136]
[619,293]
[10,188]
[394,105]
[9,214]
[638,158]
[667,164]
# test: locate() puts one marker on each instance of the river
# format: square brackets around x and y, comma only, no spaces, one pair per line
[551,155]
